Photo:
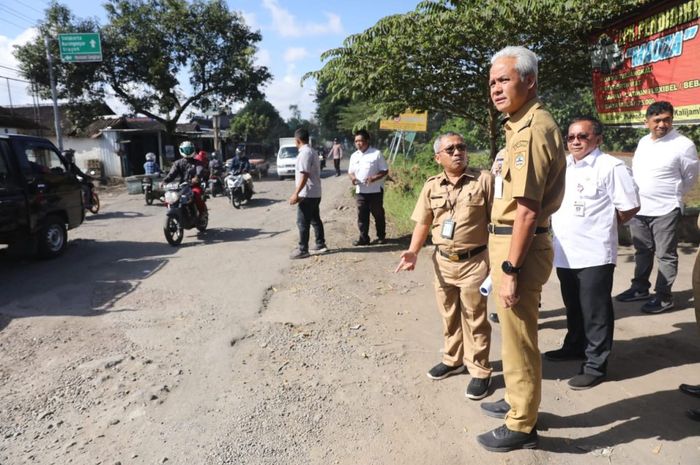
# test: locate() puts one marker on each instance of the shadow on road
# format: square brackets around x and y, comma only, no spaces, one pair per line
[112,215]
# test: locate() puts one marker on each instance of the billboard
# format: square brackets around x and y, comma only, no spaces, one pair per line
[414,122]
[649,57]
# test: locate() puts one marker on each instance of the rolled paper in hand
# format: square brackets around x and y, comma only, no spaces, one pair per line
[486,286]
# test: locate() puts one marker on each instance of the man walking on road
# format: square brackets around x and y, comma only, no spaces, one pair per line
[665,167]
[307,195]
[599,192]
[337,153]
[367,170]
[526,193]
[454,206]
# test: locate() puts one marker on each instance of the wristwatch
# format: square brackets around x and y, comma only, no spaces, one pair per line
[508,268]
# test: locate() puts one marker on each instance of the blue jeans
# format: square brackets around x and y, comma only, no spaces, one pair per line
[308,215]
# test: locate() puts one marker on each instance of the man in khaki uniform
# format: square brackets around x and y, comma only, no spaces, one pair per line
[529,188]
[694,390]
[454,206]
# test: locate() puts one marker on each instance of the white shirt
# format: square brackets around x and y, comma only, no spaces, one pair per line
[585,226]
[664,169]
[307,162]
[364,165]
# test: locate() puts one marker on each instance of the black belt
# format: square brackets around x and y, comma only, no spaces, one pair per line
[506,230]
[457,257]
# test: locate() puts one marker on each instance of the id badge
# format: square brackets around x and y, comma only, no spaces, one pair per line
[498,187]
[448,229]
[579,208]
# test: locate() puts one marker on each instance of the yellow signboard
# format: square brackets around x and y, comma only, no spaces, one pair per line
[414,122]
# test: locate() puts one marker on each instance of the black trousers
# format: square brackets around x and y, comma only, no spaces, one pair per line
[336,165]
[590,319]
[308,215]
[374,204]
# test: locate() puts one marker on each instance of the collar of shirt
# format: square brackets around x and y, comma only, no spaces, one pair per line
[670,136]
[443,179]
[588,160]
[523,116]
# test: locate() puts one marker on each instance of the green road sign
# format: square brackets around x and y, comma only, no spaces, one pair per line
[80,47]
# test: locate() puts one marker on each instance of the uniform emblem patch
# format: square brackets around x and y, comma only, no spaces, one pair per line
[519,160]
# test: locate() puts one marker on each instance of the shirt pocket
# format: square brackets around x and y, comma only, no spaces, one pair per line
[438,204]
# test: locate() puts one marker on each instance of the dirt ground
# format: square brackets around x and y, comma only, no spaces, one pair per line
[223,351]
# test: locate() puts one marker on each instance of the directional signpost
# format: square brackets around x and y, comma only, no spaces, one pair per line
[81,47]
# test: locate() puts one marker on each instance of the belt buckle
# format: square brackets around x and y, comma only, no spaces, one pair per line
[453,257]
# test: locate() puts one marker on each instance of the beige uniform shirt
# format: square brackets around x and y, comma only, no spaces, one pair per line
[534,165]
[467,202]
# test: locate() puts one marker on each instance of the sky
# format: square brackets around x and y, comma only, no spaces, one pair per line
[294,35]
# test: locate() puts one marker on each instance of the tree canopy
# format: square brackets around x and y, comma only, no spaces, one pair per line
[259,121]
[437,57]
[148,45]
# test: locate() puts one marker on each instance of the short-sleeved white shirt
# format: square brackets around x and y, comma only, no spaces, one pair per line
[307,162]
[366,164]
[587,236]
[664,169]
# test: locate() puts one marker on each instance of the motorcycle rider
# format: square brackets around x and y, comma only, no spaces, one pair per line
[185,170]
[151,167]
[240,164]
[84,180]
[202,166]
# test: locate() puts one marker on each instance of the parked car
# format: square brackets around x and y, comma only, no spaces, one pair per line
[39,198]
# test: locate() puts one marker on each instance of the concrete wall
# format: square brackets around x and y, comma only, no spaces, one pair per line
[103,148]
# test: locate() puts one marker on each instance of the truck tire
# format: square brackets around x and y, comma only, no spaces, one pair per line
[52,238]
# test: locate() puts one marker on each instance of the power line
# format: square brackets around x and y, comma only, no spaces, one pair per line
[11,69]
[29,6]
[17,14]
[14,24]
[15,79]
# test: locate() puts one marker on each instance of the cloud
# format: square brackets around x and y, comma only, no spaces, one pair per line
[287,90]
[263,57]
[286,24]
[295,54]
[18,90]
[251,20]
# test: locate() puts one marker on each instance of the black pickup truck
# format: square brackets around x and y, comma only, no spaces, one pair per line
[39,198]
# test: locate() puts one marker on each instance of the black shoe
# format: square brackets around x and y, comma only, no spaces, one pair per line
[562,354]
[631,295]
[478,388]
[494,317]
[657,305]
[495,409]
[502,439]
[360,242]
[585,381]
[693,414]
[442,371]
[690,389]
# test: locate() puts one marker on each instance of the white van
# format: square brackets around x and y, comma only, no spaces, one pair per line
[286,157]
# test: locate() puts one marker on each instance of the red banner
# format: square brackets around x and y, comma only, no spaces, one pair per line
[650,57]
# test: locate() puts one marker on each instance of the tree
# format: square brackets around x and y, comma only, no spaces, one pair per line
[437,57]
[259,121]
[147,45]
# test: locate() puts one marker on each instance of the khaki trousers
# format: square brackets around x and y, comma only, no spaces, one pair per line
[522,364]
[465,326]
[696,287]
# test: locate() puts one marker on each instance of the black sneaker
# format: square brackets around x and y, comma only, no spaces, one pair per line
[502,439]
[585,381]
[495,409]
[319,249]
[657,305]
[562,354]
[478,388]
[360,242]
[297,254]
[442,371]
[632,295]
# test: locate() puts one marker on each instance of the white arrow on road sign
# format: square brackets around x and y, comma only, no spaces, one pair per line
[93,43]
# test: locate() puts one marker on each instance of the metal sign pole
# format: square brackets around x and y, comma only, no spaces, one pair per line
[56,111]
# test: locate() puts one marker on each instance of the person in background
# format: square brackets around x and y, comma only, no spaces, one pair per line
[599,192]
[151,166]
[336,153]
[665,167]
[455,206]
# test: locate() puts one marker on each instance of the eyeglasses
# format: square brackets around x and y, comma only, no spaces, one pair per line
[450,149]
[582,137]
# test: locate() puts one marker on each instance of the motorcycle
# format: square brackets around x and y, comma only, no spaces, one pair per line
[149,192]
[239,188]
[182,212]
[215,186]
[91,201]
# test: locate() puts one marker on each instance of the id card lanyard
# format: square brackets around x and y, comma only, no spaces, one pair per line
[448,226]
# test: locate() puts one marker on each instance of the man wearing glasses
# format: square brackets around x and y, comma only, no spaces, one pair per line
[665,167]
[528,190]
[367,170]
[599,192]
[454,206]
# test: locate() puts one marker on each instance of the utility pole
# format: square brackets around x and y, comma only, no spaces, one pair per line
[56,111]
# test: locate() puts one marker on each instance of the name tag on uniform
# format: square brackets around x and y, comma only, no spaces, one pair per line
[579,208]
[498,187]
[448,229]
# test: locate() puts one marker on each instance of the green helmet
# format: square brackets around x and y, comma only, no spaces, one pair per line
[187,149]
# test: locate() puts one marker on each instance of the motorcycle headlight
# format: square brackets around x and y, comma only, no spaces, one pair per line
[172,197]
